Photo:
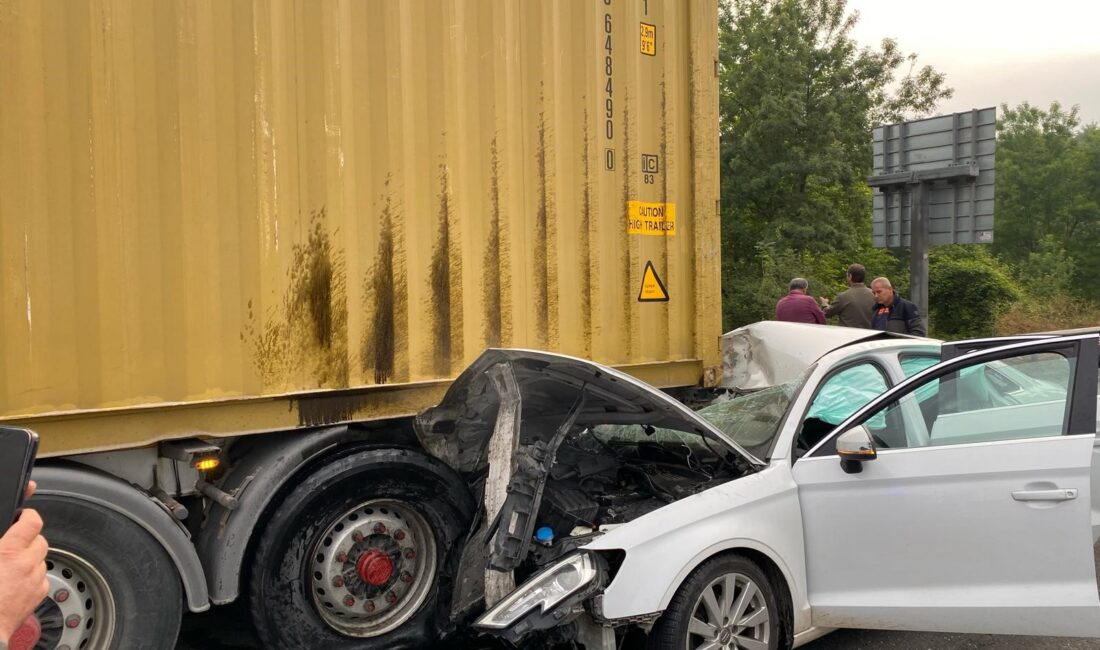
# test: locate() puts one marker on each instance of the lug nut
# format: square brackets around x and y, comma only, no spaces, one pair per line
[338,581]
[369,606]
[357,537]
[410,554]
[61,595]
[391,598]
[73,621]
[341,557]
[349,601]
[380,529]
[399,535]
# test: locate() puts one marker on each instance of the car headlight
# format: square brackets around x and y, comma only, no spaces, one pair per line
[544,590]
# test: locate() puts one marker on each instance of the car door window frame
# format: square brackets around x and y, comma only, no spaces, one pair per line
[1081,398]
[902,357]
[847,365]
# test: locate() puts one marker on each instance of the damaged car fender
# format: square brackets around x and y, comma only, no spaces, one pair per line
[759,512]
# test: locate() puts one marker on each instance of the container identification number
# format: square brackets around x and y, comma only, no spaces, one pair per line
[609,105]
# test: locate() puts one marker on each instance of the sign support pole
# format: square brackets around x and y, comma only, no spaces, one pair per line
[918,249]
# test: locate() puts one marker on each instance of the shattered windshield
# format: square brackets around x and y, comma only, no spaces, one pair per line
[752,420]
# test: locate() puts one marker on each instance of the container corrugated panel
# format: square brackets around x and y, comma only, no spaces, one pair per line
[219,200]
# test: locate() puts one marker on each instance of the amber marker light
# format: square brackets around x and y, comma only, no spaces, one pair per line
[206,464]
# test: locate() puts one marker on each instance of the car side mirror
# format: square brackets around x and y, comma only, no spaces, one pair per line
[854,447]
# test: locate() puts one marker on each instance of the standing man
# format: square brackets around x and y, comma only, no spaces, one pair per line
[853,306]
[797,307]
[892,313]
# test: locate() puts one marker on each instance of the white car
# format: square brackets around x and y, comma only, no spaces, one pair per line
[879,481]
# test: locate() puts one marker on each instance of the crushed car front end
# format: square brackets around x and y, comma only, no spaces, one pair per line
[560,452]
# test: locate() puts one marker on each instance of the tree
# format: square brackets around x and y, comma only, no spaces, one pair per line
[968,289]
[1048,192]
[798,98]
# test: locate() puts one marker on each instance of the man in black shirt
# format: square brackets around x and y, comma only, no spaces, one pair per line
[892,313]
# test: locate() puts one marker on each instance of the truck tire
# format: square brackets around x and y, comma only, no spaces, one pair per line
[359,554]
[112,586]
[705,611]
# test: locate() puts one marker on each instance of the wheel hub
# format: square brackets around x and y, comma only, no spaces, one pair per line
[79,611]
[372,568]
[730,613]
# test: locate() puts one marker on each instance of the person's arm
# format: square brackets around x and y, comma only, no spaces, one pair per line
[834,307]
[819,315]
[915,324]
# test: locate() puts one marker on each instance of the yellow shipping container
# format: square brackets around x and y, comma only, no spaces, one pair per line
[220,217]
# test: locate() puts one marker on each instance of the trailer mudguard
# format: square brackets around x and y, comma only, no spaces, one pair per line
[255,480]
[83,483]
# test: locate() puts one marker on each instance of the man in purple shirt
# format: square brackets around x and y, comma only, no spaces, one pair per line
[797,307]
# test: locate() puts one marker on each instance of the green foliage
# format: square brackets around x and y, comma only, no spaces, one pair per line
[1048,271]
[798,98]
[968,289]
[1048,194]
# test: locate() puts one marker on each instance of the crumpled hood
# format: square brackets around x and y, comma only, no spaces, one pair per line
[549,385]
[770,353]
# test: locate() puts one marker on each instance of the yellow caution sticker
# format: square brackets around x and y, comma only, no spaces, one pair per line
[653,290]
[649,39]
[654,219]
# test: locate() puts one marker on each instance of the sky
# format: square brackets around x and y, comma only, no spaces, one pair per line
[997,51]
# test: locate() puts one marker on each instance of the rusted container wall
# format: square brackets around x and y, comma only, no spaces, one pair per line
[225,199]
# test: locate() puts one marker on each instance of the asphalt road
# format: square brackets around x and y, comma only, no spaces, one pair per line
[228,628]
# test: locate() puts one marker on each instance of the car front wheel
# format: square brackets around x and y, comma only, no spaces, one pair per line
[727,603]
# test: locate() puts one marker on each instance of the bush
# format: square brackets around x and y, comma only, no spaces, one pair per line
[968,290]
[1047,314]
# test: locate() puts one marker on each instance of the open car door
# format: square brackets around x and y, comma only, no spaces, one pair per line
[967,507]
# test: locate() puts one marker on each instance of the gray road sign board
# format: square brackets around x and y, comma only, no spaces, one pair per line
[935,150]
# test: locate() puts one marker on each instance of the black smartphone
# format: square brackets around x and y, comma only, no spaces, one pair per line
[18,448]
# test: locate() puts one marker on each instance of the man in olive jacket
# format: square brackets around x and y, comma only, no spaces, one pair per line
[892,313]
[853,306]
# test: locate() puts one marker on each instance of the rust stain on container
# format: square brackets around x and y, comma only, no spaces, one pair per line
[309,328]
[446,286]
[319,410]
[492,267]
[542,257]
[384,299]
[588,263]
[626,260]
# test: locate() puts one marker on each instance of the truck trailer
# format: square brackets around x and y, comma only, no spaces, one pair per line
[244,243]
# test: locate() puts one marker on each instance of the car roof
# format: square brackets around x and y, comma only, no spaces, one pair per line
[770,353]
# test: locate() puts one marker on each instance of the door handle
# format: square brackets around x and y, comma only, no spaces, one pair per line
[1065,494]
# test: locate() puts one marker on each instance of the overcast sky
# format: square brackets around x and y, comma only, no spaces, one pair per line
[997,51]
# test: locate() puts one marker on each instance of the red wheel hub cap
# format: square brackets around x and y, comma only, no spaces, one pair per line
[374,567]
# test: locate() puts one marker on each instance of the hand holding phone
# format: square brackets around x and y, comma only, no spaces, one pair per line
[23,582]
[18,447]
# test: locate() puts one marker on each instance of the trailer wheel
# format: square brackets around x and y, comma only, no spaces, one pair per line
[111,584]
[358,554]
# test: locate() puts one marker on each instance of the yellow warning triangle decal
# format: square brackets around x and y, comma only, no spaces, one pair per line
[653,290]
